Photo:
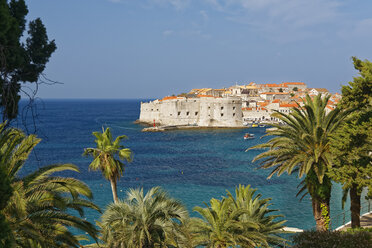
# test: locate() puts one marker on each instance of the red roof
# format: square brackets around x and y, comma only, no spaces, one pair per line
[271,85]
[293,83]
[246,108]
[288,105]
[262,104]
[204,96]
[169,98]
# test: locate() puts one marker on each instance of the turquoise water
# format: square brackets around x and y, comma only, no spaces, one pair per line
[193,165]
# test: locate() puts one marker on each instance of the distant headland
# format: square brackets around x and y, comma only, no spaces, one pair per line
[232,107]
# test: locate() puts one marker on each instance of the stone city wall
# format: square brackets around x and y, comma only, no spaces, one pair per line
[203,112]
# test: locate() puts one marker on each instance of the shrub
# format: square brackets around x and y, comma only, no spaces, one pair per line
[335,239]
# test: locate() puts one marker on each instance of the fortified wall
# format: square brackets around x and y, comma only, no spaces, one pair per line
[201,111]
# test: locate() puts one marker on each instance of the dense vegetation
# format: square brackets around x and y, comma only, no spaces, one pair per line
[42,207]
[327,239]
[351,144]
[303,145]
[155,219]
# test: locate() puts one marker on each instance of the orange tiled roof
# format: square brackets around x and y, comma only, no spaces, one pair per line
[271,85]
[293,83]
[169,98]
[288,105]
[276,101]
[204,96]
[263,104]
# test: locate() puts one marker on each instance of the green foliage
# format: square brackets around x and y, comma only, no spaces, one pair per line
[352,143]
[150,220]
[295,89]
[360,229]
[327,239]
[359,92]
[39,212]
[108,157]
[280,90]
[242,220]
[6,191]
[302,145]
[325,214]
[20,61]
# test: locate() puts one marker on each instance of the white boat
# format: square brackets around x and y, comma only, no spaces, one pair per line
[249,136]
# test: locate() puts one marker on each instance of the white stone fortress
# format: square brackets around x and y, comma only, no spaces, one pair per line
[198,111]
[234,106]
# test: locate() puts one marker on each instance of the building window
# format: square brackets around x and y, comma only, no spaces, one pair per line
[187,113]
[152,110]
[209,107]
[233,108]
[221,115]
[233,114]
[221,108]
[196,113]
[179,113]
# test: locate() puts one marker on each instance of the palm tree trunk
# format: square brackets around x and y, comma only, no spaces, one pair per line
[320,197]
[114,190]
[321,221]
[355,206]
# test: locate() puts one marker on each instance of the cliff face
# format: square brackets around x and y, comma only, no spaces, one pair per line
[203,112]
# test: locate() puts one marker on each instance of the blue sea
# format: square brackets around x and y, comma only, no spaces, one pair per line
[193,166]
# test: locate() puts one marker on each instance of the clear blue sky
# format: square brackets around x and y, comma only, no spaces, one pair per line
[153,48]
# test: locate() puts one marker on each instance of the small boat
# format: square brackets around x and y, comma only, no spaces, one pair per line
[262,125]
[254,125]
[249,136]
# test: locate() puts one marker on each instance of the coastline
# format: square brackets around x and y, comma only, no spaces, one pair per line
[162,128]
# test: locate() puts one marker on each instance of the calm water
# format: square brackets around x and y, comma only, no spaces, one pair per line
[193,166]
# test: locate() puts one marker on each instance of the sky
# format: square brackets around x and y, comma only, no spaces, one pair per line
[154,48]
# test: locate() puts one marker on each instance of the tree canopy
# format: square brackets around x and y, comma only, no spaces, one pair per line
[24,53]
[109,156]
[40,212]
[352,142]
[302,145]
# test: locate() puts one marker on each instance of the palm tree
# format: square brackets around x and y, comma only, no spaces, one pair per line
[221,228]
[257,210]
[242,221]
[107,157]
[150,220]
[303,145]
[39,212]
